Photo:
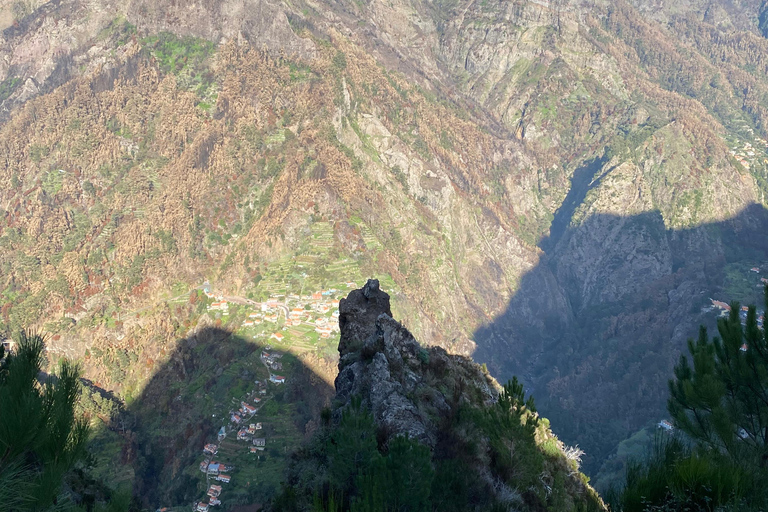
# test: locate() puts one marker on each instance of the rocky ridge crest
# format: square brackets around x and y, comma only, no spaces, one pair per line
[382,362]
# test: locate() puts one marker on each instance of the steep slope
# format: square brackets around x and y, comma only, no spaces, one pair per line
[462,148]
[418,428]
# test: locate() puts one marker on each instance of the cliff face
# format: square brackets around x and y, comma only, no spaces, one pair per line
[419,420]
[396,377]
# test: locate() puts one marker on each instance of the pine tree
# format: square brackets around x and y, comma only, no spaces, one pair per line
[40,437]
[722,401]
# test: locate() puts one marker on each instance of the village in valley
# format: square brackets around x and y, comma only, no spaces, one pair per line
[747,154]
[284,335]
[283,320]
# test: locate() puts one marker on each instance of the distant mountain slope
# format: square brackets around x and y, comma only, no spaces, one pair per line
[148,146]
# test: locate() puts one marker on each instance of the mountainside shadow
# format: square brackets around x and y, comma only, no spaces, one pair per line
[185,403]
[595,329]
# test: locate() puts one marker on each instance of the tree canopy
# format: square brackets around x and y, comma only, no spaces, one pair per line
[40,436]
[721,401]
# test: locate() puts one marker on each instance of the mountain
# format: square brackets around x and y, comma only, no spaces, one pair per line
[416,428]
[525,177]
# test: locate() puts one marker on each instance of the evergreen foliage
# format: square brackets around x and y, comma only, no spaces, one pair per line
[722,401]
[677,477]
[347,467]
[720,405]
[40,436]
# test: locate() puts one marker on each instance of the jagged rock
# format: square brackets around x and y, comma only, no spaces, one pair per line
[396,378]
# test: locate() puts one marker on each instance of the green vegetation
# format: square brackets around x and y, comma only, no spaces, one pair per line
[347,467]
[7,87]
[720,406]
[185,57]
[41,438]
[722,401]
[677,477]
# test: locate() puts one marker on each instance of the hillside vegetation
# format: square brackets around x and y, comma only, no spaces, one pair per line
[555,187]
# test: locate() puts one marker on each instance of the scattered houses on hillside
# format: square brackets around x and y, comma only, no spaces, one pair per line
[222,306]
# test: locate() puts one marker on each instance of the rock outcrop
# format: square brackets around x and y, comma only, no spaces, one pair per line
[408,417]
[382,362]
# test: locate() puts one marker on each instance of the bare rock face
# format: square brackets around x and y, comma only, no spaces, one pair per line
[396,378]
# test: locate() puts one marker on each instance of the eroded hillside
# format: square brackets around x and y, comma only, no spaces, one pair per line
[147,147]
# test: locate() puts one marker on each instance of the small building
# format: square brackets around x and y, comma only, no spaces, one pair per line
[211,449]
[277,336]
[236,418]
[222,433]
[214,501]
[756,270]
[260,443]
[253,449]
[214,490]
[222,306]
[248,409]
[202,507]
[213,468]
[277,379]
[743,347]
[666,425]
[242,434]
[720,305]
[223,478]
[204,466]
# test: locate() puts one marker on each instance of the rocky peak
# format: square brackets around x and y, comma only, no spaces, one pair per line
[406,387]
